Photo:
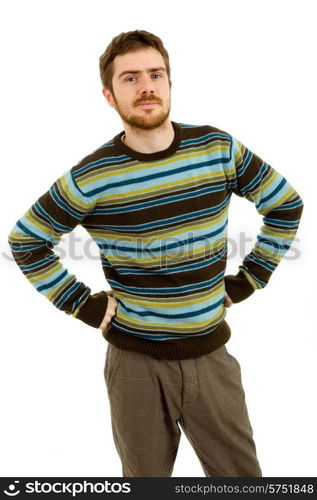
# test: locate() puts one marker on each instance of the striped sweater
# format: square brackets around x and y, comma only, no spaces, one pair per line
[160,223]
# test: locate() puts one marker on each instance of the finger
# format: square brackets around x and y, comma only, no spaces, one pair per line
[230,300]
[103,325]
[106,320]
[227,302]
[111,312]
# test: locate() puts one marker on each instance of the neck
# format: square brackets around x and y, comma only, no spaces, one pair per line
[149,141]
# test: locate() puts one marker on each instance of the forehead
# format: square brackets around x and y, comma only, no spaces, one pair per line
[139,60]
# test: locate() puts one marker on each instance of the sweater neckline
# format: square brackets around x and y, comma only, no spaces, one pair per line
[158,155]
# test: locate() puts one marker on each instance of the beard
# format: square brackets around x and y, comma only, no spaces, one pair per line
[146,122]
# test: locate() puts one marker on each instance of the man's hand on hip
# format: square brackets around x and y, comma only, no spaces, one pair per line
[110,312]
[113,305]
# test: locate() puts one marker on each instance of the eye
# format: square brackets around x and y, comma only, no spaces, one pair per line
[156,76]
[131,79]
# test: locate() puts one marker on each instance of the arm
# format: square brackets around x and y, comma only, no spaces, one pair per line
[281,207]
[33,237]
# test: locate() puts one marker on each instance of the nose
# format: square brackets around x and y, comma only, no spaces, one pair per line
[147,85]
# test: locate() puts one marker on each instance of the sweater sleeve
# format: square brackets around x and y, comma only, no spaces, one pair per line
[32,241]
[281,207]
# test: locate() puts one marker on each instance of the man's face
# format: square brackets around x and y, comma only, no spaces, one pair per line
[141,89]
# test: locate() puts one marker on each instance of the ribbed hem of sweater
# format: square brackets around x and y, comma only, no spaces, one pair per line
[181,349]
[238,287]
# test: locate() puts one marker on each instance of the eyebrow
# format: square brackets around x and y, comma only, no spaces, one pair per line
[135,71]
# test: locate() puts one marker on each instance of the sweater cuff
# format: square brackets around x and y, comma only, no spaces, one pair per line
[238,287]
[94,309]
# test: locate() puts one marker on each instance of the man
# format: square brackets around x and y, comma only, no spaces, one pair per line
[155,199]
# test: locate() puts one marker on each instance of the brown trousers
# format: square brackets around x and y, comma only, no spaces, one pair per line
[151,400]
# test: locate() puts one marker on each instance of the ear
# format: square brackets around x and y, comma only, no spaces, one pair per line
[109,97]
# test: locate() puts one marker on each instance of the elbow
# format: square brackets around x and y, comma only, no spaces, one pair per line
[10,238]
[13,243]
[301,207]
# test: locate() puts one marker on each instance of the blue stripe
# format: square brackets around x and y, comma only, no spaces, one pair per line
[167,290]
[294,204]
[167,336]
[52,258]
[52,283]
[157,175]
[80,299]
[276,190]
[56,225]
[106,145]
[107,246]
[261,263]
[65,296]
[65,207]
[189,314]
[255,181]
[273,243]
[27,231]
[203,138]
[102,161]
[24,247]
[163,222]
[172,270]
[188,125]
[245,162]
[261,283]
[170,199]
[279,222]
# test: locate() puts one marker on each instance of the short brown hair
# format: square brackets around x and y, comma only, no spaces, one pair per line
[129,42]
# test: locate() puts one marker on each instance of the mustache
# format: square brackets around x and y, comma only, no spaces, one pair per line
[148,98]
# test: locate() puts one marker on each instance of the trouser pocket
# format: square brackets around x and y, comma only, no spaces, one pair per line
[113,357]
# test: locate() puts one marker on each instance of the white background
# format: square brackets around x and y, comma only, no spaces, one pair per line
[246,67]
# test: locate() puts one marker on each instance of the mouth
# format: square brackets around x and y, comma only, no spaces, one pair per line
[147,104]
